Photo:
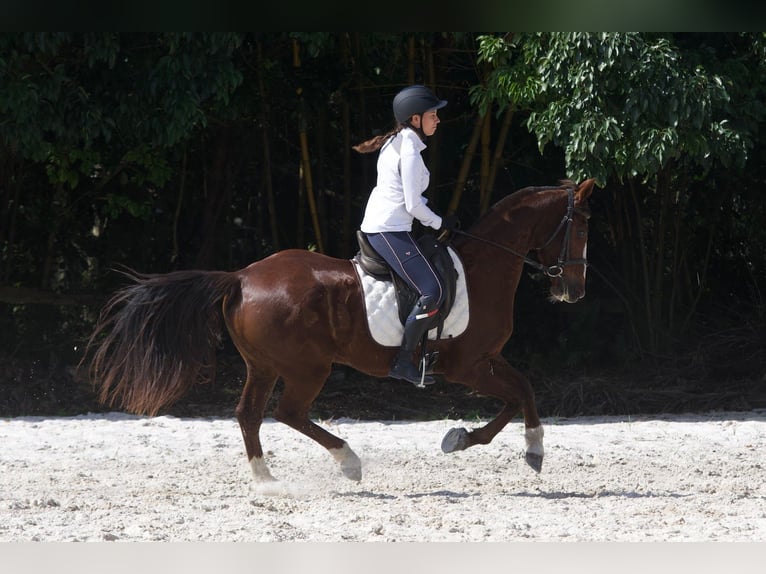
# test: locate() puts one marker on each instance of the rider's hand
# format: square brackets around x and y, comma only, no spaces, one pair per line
[450,222]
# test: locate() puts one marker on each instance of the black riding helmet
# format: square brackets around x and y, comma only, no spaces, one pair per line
[415,100]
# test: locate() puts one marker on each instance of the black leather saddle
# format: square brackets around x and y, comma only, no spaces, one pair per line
[436,252]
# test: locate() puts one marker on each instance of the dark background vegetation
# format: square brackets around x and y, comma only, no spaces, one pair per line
[165,151]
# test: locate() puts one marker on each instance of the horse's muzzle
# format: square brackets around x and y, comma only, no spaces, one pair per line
[566,293]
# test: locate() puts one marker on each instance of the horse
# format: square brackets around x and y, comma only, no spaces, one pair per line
[296,313]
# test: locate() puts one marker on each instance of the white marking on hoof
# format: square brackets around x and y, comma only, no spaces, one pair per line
[350,465]
[534,439]
[260,470]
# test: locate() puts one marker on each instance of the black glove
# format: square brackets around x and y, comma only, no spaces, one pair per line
[450,222]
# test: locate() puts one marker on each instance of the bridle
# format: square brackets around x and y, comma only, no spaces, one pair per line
[557,269]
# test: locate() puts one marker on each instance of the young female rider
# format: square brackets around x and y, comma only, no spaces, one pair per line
[395,201]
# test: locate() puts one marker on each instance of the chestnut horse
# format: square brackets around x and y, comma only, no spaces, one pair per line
[296,313]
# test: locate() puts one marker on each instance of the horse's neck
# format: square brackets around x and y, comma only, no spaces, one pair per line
[521,221]
[490,266]
[503,235]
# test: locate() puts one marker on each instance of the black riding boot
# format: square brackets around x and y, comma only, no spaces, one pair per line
[414,329]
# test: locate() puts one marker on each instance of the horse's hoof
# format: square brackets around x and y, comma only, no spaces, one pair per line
[352,472]
[350,465]
[260,471]
[535,461]
[455,439]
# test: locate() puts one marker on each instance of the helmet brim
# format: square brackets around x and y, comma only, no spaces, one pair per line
[438,106]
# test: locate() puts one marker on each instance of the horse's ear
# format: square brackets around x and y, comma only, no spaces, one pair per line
[584,190]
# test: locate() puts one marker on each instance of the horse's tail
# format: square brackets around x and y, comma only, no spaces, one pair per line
[158,336]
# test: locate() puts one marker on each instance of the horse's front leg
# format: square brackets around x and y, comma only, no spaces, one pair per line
[496,378]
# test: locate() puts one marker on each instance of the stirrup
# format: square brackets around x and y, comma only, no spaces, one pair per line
[424,380]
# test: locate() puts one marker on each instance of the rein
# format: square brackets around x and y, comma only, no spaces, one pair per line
[550,270]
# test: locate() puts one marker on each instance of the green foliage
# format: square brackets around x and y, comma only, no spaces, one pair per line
[657,118]
[82,102]
[509,83]
[620,105]
[143,148]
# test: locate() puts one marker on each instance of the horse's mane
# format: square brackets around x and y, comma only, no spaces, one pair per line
[519,195]
[525,191]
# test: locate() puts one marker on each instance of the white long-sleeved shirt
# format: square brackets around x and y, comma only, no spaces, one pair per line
[397,198]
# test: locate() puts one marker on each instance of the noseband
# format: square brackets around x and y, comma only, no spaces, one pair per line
[557,269]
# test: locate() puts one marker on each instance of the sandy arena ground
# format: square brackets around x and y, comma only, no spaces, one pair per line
[117,477]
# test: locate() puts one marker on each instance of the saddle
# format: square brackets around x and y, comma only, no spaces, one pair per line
[437,254]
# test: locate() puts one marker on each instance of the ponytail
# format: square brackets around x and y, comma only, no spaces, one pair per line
[377,142]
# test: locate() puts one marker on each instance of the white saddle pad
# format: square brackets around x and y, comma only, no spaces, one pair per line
[383,313]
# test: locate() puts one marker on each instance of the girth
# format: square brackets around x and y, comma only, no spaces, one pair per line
[437,254]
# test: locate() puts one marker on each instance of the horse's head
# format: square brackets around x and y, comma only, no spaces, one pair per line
[564,254]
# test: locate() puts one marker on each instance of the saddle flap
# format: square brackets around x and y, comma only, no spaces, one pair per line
[435,251]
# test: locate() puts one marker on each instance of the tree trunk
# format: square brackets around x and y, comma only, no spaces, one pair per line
[9,215]
[434,146]
[309,187]
[177,213]
[31,296]
[485,159]
[218,185]
[465,166]
[305,166]
[658,261]
[345,249]
[497,158]
[60,198]
[643,270]
[320,179]
[265,139]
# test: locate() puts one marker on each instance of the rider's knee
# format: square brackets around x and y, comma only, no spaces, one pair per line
[427,303]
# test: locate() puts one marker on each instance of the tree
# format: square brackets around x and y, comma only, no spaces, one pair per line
[101,114]
[178,150]
[91,124]
[652,117]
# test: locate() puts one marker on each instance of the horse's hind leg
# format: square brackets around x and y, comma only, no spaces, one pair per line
[293,410]
[249,412]
[498,379]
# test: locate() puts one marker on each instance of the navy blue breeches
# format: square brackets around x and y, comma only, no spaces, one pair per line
[401,252]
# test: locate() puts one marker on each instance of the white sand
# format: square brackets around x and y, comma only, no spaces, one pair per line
[117,477]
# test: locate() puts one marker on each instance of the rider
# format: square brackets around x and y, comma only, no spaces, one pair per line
[395,201]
